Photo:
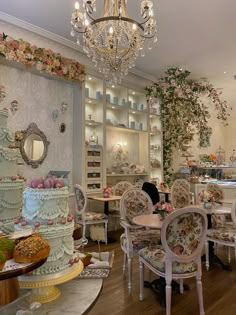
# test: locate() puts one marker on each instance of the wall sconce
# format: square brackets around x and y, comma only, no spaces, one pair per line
[14,106]
[64,107]
[55,114]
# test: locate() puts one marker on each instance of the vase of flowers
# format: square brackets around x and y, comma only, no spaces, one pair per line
[106,192]
[162,208]
[207,198]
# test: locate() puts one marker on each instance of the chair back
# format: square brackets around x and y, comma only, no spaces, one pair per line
[216,191]
[134,202]
[183,234]
[152,191]
[233,213]
[180,194]
[81,201]
[119,188]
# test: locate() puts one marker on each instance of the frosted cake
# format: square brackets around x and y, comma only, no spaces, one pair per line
[11,185]
[46,211]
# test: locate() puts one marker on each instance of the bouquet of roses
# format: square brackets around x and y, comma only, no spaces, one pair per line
[206,196]
[162,208]
[106,192]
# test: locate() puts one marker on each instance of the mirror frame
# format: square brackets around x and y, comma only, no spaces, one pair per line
[21,136]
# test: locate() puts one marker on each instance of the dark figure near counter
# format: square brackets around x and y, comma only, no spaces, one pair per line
[152,191]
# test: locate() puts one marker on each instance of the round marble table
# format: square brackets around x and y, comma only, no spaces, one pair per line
[148,220]
[77,297]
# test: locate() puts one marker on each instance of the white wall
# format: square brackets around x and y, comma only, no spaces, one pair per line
[38,96]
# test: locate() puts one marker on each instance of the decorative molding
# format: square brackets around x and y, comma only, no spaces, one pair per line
[63,41]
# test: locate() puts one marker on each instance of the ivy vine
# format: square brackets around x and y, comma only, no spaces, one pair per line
[184,112]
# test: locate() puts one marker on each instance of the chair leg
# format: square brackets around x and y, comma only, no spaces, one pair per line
[207,255]
[229,255]
[181,286]
[124,263]
[129,273]
[199,292]
[168,295]
[84,231]
[141,279]
[106,233]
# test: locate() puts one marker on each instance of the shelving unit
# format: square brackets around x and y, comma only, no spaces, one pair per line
[117,120]
[155,140]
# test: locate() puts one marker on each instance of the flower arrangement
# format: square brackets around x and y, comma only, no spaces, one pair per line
[183,112]
[106,192]
[40,58]
[205,196]
[162,208]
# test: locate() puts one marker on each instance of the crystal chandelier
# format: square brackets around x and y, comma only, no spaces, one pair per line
[113,40]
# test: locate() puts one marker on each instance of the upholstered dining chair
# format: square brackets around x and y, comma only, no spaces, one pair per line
[183,235]
[223,235]
[118,189]
[218,194]
[84,217]
[135,202]
[180,194]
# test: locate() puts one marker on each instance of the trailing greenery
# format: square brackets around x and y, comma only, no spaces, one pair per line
[184,112]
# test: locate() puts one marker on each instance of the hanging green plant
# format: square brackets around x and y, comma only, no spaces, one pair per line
[183,112]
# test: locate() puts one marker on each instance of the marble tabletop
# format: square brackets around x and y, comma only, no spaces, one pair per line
[148,220]
[77,297]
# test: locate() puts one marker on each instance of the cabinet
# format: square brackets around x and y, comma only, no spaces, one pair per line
[119,122]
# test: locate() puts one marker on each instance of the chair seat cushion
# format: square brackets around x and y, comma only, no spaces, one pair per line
[142,238]
[94,216]
[156,256]
[225,233]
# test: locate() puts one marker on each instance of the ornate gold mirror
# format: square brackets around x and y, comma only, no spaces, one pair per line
[33,145]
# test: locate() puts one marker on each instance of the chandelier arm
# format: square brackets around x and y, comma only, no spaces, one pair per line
[145,21]
[116,18]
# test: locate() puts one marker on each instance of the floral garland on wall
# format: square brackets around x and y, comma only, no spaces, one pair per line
[183,112]
[40,58]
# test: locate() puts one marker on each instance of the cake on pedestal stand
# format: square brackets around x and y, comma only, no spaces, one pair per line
[44,288]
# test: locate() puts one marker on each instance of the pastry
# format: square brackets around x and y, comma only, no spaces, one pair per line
[31,249]
[7,247]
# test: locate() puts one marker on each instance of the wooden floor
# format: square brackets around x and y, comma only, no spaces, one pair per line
[219,290]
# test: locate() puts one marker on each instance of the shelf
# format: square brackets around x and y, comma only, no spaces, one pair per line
[125,129]
[154,116]
[136,111]
[116,106]
[155,133]
[93,123]
[128,174]
[92,101]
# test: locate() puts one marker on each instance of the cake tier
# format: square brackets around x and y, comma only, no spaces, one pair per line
[45,204]
[61,246]
[3,118]
[6,137]
[8,162]
[10,199]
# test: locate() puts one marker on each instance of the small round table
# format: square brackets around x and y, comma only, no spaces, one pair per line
[9,285]
[148,220]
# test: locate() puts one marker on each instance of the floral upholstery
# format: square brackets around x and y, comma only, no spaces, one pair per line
[226,234]
[156,256]
[93,216]
[136,203]
[184,234]
[141,239]
[216,191]
[180,194]
[118,190]
[80,199]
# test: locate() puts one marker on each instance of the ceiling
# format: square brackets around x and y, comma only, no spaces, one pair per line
[195,35]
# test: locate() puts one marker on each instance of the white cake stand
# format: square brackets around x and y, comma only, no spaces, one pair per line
[44,288]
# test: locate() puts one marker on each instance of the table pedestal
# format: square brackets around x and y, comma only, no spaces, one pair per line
[9,290]
[44,287]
